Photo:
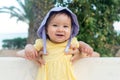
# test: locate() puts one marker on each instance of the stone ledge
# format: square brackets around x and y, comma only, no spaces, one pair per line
[14,68]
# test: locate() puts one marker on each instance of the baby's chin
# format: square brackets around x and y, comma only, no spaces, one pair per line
[58,41]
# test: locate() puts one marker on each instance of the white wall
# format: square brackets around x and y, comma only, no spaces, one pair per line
[98,69]
[13,68]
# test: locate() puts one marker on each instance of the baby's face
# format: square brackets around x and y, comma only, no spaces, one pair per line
[59,28]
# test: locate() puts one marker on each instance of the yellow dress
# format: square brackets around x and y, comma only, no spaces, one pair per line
[58,65]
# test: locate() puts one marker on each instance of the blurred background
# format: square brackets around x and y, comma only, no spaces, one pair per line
[99,22]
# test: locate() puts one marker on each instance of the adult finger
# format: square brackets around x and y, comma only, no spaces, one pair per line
[41,61]
[86,49]
[71,50]
[30,54]
[76,55]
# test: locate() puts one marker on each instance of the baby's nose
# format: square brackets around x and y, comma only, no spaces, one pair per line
[60,28]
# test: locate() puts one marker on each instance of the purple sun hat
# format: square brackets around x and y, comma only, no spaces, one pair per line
[75,27]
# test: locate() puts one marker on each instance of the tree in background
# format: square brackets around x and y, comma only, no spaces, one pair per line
[16,43]
[31,12]
[39,9]
[96,18]
[24,13]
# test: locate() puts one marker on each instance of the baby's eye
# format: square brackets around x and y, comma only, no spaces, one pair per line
[65,26]
[54,25]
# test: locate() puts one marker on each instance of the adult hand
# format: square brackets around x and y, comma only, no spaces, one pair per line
[40,59]
[30,52]
[74,51]
[85,48]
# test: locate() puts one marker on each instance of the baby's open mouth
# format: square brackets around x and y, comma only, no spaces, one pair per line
[59,35]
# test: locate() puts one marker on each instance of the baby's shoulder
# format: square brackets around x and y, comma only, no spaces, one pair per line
[38,40]
[75,41]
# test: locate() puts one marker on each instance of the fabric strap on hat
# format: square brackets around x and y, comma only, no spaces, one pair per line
[44,42]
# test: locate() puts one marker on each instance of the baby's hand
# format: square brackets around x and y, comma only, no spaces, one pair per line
[30,52]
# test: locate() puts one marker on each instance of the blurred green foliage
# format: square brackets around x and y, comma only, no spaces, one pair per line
[16,43]
[96,18]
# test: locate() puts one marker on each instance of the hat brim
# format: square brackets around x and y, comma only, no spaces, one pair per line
[75,24]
